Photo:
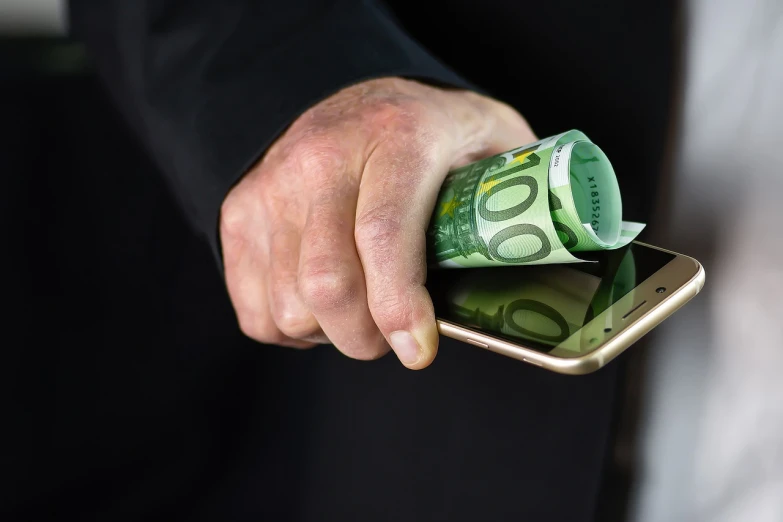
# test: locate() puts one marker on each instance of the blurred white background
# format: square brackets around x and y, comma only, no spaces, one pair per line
[712,437]
[32,16]
[712,434]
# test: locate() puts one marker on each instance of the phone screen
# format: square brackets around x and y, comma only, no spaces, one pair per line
[540,306]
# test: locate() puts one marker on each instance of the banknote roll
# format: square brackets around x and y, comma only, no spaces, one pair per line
[537,204]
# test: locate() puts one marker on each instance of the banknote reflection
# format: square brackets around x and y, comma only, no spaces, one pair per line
[545,304]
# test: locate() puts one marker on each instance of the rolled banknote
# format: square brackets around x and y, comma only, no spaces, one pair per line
[532,205]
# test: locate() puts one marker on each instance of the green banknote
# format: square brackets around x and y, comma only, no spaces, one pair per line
[532,205]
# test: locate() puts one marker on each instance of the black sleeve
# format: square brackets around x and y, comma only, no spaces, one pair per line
[207,85]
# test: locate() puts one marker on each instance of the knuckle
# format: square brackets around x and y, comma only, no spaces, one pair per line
[326,285]
[233,218]
[259,330]
[249,327]
[245,208]
[291,323]
[378,230]
[318,153]
[390,311]
[404,115]
[294,321]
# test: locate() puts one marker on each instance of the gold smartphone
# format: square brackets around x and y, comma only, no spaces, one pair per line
[568,318]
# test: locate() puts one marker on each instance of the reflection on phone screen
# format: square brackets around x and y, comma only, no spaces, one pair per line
[541,305]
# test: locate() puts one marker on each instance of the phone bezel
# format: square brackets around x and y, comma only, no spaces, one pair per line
[683,277]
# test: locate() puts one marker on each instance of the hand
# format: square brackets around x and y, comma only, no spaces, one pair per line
[324,239]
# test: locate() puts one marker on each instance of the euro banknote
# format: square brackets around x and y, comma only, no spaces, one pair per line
[541,203]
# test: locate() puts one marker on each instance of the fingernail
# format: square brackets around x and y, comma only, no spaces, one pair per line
[405,346]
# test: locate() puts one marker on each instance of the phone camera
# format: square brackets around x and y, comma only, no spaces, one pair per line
[607,330]
[660,289]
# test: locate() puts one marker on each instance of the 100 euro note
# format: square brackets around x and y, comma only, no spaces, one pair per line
[537,204]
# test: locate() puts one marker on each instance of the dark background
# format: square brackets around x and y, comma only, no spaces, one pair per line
[130,392]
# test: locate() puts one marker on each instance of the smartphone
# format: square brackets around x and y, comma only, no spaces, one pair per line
[568,318]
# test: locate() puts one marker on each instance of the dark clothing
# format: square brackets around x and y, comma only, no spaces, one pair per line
[207,86]
[133,394]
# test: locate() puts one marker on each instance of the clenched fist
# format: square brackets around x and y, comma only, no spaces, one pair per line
[324,239]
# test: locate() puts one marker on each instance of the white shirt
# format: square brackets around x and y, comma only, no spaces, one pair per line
[712,439]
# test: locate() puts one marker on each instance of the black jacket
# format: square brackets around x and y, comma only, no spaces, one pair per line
[208,85]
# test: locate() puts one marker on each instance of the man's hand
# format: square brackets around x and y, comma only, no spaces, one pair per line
[324,239]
